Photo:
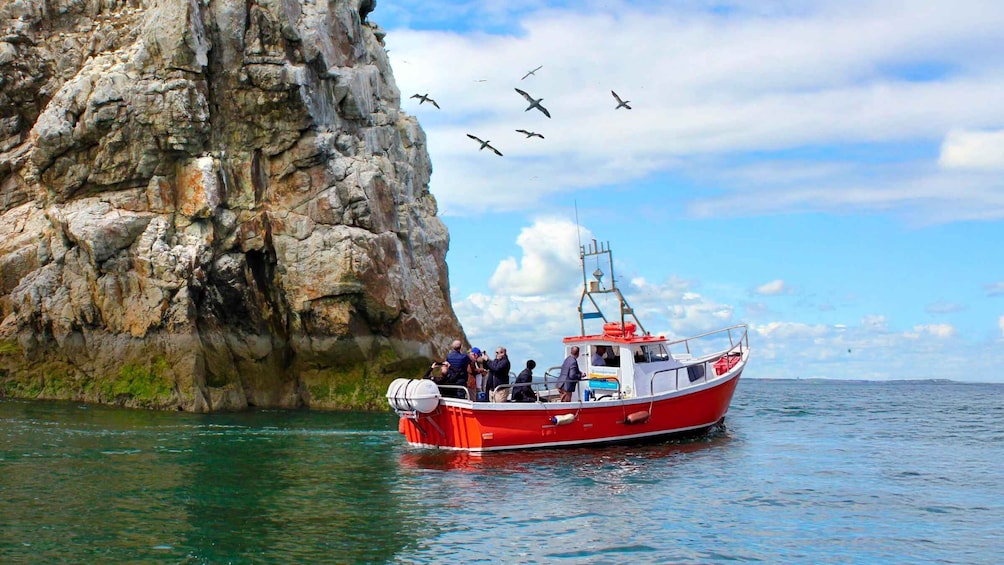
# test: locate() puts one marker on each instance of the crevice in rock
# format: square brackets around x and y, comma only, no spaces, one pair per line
[259,177]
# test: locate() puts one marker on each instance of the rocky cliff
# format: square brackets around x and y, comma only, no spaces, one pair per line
[211,204]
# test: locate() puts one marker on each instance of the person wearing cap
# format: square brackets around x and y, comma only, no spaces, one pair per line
[498,375]
[475,372]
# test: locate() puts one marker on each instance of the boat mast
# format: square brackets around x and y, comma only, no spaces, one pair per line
[590,287]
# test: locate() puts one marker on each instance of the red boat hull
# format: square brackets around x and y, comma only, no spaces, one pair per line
[486,426]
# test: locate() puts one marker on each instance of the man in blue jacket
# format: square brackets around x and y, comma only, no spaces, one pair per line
[570,375]
[457,372]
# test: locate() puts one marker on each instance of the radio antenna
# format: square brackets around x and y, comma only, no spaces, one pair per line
[578,228]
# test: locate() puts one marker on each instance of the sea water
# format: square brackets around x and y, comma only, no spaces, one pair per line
[804,472]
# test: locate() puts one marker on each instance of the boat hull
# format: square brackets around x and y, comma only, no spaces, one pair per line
[484,426]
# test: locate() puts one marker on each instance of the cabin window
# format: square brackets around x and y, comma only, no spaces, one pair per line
[651,353]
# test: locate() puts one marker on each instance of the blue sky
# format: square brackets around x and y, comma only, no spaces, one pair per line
[828,173]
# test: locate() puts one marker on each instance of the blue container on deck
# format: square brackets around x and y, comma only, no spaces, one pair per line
[482,397]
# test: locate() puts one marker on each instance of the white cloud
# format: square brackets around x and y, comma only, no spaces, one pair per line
[772,288]
[534,298]
[706,86]
[789,330]
[994,289]
[875,322]
[973,150]
[532,328]
[935,330]
[944,308]
[765,109]
[550,260]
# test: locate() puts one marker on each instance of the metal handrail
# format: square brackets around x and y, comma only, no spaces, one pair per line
[706,363]
[550,376]
[548,382]
[732,343]
[547,374]
[467,393]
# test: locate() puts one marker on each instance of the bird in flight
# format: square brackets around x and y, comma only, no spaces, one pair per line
[533,72]
[620,103]
[484,144]
[530,134]
[534,103]
[424,98]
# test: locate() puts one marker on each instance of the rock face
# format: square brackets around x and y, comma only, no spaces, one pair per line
[211,204]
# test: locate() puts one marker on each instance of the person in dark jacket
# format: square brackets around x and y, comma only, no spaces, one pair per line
[522,392]
[570,375]
[498,374]
[456,374]
[437,372]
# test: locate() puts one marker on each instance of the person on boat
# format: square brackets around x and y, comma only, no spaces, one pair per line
[570,375]
[498,375]
[437,372]
[598,360]
[475,372]
[457,368]
[521,391]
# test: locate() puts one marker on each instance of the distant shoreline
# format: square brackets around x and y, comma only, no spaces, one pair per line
[872,381]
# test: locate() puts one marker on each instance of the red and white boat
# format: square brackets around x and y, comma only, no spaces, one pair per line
[648,387]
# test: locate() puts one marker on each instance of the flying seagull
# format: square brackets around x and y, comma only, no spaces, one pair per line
[620,103]
[485,144]
[530,134]
[424,98]
[534,103]
[533,72]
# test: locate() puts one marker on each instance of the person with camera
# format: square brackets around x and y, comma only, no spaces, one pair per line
[437,372]
[476,372]
[498,375]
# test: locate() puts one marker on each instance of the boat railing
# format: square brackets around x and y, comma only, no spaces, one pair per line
[541,386]
[684,372]
[467,393]
[707,365]
[535,387]
[551,377]
[733,332]
[550,382]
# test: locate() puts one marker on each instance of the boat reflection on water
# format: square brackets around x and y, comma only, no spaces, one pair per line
[583,457]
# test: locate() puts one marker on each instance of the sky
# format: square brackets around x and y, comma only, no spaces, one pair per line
[829,173]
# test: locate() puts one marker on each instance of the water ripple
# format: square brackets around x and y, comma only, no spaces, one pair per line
[803,473]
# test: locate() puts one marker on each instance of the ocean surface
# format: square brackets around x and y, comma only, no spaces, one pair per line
[805,472]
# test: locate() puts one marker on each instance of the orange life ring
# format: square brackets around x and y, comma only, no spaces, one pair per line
[613,328]
[616,329]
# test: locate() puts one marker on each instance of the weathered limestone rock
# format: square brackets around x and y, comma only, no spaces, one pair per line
[211,205]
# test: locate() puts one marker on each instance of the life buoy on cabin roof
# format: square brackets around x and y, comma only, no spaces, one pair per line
[616,329]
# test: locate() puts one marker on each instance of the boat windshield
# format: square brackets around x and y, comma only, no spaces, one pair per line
[651,353]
